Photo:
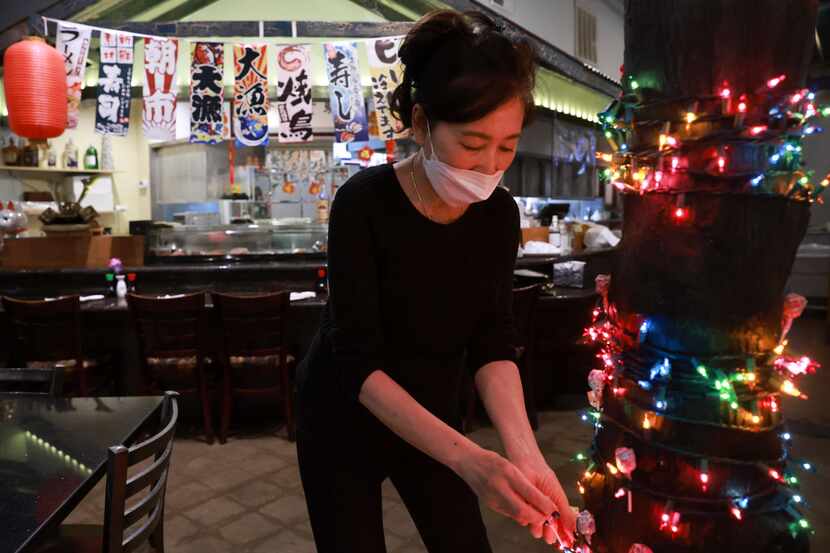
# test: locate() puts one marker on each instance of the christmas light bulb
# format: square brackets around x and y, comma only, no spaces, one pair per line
[775,475]
[756,419]
[786,436]
[634,85]
[779,349]
[721,163]
[736,512]
[725,92]
[675,163]
[702,370]
[681,213]
[742,106]
[789,388]
[795,98]
[612,469]
[646,423]
[619,493]
[797,498]
[806,466]
[757,129]
[690,117]
[772,83]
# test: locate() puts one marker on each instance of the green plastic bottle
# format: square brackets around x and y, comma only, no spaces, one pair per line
[91,158]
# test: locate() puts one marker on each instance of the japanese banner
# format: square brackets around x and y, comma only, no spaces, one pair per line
[207,124]
[345,92]
[250,94]
[112,115]
[294,93]
[73,43]
[159,115]
[386,70]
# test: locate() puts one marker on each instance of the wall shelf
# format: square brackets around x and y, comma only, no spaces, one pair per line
[53,171]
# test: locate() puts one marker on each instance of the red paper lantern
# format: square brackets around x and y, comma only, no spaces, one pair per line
[35,83]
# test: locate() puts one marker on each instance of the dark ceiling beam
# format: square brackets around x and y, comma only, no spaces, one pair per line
[16,12]
[31,22]
[333,29]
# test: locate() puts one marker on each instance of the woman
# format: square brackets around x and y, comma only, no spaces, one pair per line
[421,258]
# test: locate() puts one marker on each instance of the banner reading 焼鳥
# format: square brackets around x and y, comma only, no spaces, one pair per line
[386,70]
[112,114]
[250,94]
[345,92]
[207,93]
[294,93]
[159,116]
[73,43]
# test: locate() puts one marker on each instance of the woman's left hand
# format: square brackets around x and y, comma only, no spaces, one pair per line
[542,476]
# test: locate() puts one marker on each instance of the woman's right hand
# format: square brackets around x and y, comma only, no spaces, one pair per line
[503,488]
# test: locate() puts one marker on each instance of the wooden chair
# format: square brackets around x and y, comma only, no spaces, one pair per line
[524,308]
[47,334]
[47,381]
[172,338]
[255,356]
[128,527]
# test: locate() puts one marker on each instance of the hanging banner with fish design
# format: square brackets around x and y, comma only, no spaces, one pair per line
[294,93]
[250,94]
[207,124]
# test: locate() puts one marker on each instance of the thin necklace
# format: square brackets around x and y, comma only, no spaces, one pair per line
[418,192]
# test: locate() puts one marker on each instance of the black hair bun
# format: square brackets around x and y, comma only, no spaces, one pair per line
[459,67]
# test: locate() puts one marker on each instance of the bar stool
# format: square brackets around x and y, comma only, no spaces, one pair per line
[255,356]
[172,339]
[524,307]
[47,334]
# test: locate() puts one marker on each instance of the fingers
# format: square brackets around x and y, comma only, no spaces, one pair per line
[531,494]
[550,535]
[536,530]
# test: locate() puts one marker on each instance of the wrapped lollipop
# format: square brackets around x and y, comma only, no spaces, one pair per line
[626,460]
[596,380]
[794,305]
[595,399]
[585,525]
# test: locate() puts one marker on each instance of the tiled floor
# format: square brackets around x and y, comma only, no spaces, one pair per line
[245,496]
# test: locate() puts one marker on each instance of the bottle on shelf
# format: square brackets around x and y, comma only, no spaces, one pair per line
[51,155]
[30,157]
[323,205]
[554,234]
[91,158]
[70,155]
[566,238]
[11,154]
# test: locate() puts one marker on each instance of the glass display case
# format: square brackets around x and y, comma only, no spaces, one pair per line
[246,241]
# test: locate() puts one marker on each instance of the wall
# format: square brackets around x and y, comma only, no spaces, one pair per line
[554,21]
[131,157]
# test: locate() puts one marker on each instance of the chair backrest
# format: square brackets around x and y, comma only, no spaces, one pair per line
[26,381]
[524,306]
[45,330]
[252,325]
[172,327]
[127,527]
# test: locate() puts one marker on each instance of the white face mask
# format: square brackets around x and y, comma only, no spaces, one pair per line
[457,187]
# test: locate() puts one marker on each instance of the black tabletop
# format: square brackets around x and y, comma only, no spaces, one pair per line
[52,452]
